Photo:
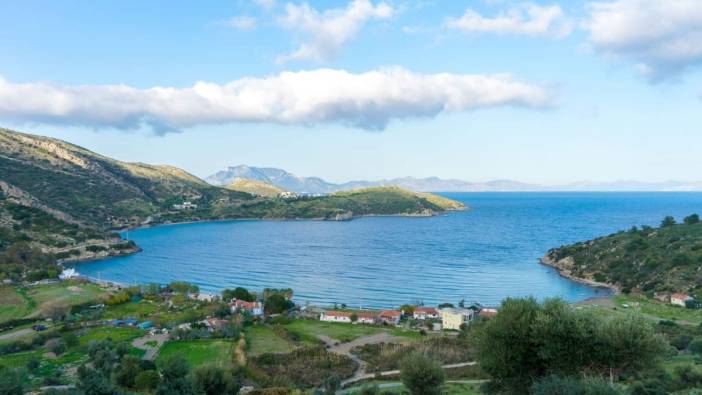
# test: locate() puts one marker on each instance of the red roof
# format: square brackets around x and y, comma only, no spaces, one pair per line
[680,296]
[425,310]
[390,314]
[242,304]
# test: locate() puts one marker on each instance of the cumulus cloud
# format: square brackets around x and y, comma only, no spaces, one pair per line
[265,3]
[526,19]
[368,100]
[242,22]
[662,37]
[330,30]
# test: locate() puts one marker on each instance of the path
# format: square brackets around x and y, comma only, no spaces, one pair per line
[345,349]
[366,376]
[16,334]
[394,384]
[151,351]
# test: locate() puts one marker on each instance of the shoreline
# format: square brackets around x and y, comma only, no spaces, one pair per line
[546,260]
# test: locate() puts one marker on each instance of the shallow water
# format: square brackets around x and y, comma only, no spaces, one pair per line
[484,254]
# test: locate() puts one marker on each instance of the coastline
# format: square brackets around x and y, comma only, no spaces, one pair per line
[546,260]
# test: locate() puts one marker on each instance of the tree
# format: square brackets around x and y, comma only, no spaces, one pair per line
[276,304]
[239,293]
[213,380]
[55,309]
[528,341]
[94,382]
[56,346]
[33,364]
[421,375]
[146,380]
[695,346]
[407,309]
[127,371]
[70,339]
[174,377]
[11,381]
[667,221]
[556,385]
[353,317]
[692,219]
[332,384]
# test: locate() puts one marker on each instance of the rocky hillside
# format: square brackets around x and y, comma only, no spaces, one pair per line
[254,187]
[649,260]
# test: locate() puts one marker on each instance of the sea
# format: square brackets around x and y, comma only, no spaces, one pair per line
[484,254]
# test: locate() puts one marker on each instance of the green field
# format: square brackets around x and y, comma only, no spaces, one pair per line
[310,329]
[262,339]
[657,309]
[198,352]
[135,310]
[116,334]
[14,304]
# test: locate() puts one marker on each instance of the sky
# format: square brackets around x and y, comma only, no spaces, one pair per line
[547,92]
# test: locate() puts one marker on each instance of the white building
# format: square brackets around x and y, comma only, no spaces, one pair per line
[185,206]
[253,308]
[453,318]
[423,313]
[679,299]
[362,317]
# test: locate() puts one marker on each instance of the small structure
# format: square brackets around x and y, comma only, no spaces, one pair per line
[679,299]
[422,313]
[487,313]
[146,325]
[185,206]
[287,195]
[254,308]
[214,324]
[202,297]
[362,317]
[68,274]
[391,317]
[453,318]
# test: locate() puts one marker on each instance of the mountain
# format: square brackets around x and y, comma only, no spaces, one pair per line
[651,260]
[254,187]
[61,199]
[315,185]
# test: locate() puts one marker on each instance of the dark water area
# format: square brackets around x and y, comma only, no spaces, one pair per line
[484,254]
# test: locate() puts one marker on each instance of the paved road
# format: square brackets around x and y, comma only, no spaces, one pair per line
[151,352]
[16,334]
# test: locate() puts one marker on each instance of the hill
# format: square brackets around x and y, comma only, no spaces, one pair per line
[649,260]
[315,185]
[254,187]
[60,199]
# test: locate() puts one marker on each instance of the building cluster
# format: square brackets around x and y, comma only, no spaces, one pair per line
[185,206]
[450,318]
[254,308]
[680,299]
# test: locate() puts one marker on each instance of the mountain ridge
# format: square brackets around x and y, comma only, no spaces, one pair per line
[316,185]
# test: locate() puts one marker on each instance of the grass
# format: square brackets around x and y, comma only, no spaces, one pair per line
[452,388]
[198,352]
[659,309]
[262,339]
[136,310]
[14,304]
[116,334]
[310,329]
[69,292]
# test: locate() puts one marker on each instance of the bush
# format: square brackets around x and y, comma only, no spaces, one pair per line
[11,381]
[555,385]
[421,375]
[146,380]
[213,380]
[56,346]
[33,364]
[695,346]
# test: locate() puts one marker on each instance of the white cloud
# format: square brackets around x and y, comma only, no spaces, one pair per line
[526,19]
[328,31]
[242,22]
[662,37]
[265,3]
[367,100]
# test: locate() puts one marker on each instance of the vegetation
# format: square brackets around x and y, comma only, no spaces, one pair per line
[527,341]
[303,368]
[197,352]
[254,187]
[647,260]
[446,350]
[422,375]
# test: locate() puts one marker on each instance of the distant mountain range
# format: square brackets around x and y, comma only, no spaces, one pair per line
[316,185]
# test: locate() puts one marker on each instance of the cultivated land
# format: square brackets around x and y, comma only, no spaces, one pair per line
[198,352]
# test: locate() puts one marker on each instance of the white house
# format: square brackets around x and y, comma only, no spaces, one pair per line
[423,313]
[254,308]
[391,317]
[679,299]
[453,318]
[185,206]
[362,317]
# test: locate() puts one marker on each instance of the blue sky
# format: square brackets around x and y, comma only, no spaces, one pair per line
[543,91]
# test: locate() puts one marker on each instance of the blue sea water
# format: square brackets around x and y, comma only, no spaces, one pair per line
[484,254]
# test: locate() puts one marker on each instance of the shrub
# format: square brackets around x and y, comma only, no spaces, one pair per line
[695,346]
[421,375]
[11,381]
[146,380]
[56,346]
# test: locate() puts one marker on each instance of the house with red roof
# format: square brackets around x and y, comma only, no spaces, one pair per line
[422,313]
[679,299]
[254,308]
[362,317]
[391,317]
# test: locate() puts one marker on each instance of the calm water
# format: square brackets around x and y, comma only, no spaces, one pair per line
[484,254]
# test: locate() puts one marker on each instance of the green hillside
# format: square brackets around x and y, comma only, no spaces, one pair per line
[649,260]
[64,201]
[254,187]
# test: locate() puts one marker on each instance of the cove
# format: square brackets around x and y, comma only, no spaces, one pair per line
[484,254]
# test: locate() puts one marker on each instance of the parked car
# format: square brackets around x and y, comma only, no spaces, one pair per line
[39,328]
